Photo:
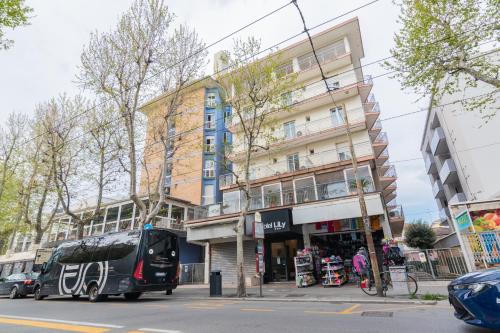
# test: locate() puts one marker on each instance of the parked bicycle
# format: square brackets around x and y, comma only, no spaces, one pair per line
[368,284]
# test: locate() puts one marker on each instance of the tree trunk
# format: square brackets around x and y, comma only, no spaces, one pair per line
[38,235]
[240,263]
[480,76]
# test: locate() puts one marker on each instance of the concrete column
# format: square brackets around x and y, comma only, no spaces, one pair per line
[386,227]
[208,262]
[306,236]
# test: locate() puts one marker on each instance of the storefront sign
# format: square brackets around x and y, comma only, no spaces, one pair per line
[463,221]
[485,220]
[276,221]
[422,257]
[258,230]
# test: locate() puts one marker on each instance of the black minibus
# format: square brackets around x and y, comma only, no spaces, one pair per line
[128,263]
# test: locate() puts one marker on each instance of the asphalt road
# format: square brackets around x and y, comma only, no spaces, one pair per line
[160,313]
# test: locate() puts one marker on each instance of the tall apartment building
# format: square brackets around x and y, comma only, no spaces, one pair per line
[461,149]
[193,159]
[303,185]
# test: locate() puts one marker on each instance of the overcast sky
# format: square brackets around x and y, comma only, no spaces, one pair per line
[43,62]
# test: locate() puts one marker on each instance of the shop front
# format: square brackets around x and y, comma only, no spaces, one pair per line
[281,242]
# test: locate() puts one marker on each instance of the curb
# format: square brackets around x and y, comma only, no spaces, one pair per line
[316,300]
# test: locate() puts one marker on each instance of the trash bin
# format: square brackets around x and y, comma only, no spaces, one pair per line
[215,283]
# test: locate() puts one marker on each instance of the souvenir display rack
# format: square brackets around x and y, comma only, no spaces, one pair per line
[333,272]
[304,271]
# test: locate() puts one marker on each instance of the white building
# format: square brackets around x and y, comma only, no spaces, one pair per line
[305,178]
[461,149]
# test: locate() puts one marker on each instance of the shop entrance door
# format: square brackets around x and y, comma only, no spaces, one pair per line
[282,267]
[279,262]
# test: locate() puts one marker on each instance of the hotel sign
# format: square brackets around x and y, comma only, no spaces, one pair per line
[277,221]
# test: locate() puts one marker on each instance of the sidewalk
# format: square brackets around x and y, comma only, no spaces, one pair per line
[288,292]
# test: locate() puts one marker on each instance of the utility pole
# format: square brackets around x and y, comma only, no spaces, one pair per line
[359,187]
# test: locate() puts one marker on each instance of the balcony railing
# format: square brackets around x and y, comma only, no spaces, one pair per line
[208,173]
[377,125]
[168,223]
[390,172]
[396,212]
[367,79]
[448,172]
[302,163]
[325,54]
[371,98]
[381,138]
[438,142]
[210,148]
[298,96]
[437,188]
[271,199]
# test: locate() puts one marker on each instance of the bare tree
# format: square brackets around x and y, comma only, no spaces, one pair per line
[138,59]
[38,197]
[256,89]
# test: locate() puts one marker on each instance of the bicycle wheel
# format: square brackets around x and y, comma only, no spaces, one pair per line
[412,285]
[368,287]
[387,283]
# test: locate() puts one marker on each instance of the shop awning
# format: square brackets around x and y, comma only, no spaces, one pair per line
[337,209]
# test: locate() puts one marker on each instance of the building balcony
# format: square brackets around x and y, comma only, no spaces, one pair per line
[390,189]
[430,164]
[438,142]
[286,167]
[396,220]
[308,67]
[371,113]
[375,130]
[303,134]
[448,173]
[391,196]
[458,197]
[272,197]
[387,175]
[312,96]
[168,223]
[382,157]
[444,214]
[437,189]
[380,143]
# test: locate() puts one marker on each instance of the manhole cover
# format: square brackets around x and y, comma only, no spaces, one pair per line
[377,314]
[295,295]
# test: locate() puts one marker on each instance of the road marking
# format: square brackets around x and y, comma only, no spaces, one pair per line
[156,306]
[202,307]
[52,325]
[399,308]
[257,310]
[82,323]
[157,330]
[349,310]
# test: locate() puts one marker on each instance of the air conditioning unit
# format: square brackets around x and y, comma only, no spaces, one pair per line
[299,133]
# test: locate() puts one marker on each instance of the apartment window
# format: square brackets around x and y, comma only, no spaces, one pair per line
[289,129]
[209,170]
[293,162]
[226,137]
[210,144]
[255,198]
[231,202]
[284,69]
[208,195]
[286,99]
[272,195]
[305,190]
[211,103]
[333,83]
[337,116]
[210,121]
[365,177]
[343,151]
[227,117]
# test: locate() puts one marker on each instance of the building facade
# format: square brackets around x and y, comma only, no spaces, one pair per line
[303,185]
[460,149]
[197,135]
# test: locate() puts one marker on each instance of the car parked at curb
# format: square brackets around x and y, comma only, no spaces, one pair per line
[18,285]
[476,298]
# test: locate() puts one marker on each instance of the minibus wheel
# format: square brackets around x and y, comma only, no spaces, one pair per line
[75,296]
[94,293]
[169,292]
